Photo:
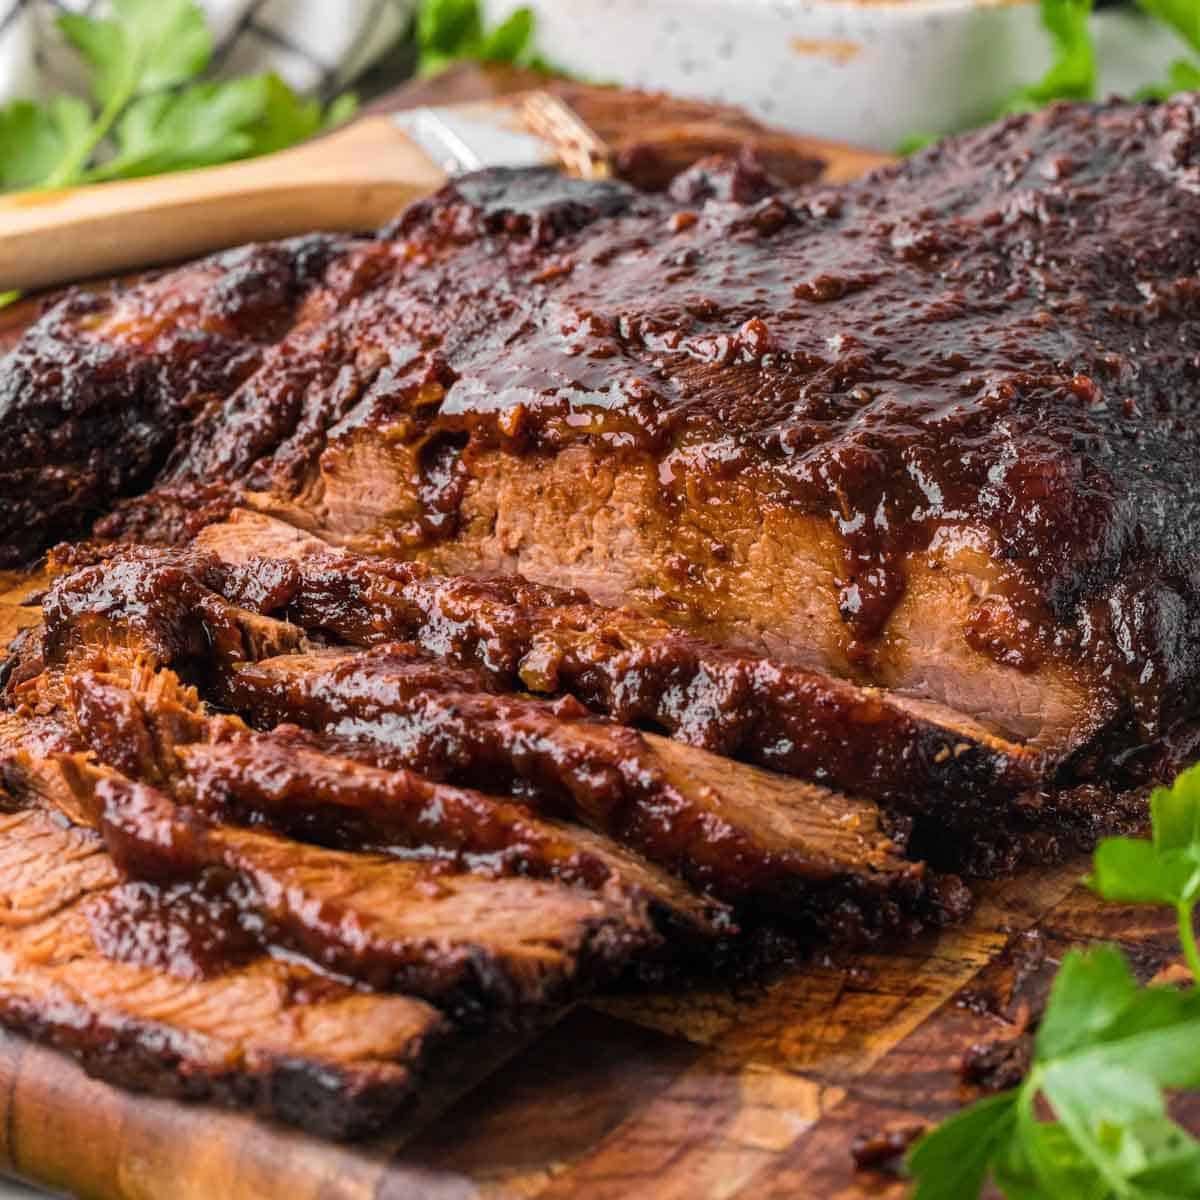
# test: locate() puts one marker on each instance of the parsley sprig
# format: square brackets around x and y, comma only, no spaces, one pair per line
[1072,73]
[149,111]
[450,31]
[1090,1120]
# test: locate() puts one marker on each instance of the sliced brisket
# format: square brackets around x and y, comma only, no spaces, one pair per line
[636,669]
[268,1035]
[221,603]
[791,850]
[501,950]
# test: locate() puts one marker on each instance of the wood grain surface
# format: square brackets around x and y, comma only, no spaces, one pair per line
[751,1092]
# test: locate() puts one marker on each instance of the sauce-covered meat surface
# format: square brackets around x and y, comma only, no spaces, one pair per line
[569,583]
[929,430]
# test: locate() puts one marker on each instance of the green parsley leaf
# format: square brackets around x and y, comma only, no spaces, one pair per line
[147,45]
[509,40]
[36,138]
[449,31]
[153,115]
[1092,989]
[445,27]
[914,142]
[1165,870]
[1050,1147]
[197,127]
[287,118]
[1183,76]
[1175,813]
[1072,75]
[1162,1159]
[952,1161]
[1181,15]
[1134,872]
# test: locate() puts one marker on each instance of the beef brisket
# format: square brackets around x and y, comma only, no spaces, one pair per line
[884,490]
[909,429]
[483,942]
[94,399]
[221,602]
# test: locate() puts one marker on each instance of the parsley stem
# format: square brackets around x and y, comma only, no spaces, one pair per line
[1187,938]
[71,168]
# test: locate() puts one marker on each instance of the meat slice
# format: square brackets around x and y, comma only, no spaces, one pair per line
[791,850]
[637,670]
[268,1035]
[284,781]
[500,950]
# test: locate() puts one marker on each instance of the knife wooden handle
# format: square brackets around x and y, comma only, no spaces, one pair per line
[350,181]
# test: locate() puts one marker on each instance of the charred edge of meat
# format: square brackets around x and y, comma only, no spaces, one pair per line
[323,1098]
[132,370]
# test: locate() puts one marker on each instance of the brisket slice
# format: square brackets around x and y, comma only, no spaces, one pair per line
[928,430]
[501,950]
[791,850]
[165,607]
[284,781]
[268,1035]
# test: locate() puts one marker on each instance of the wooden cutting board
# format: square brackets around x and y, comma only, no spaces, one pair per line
[749,1092]
[752,1093]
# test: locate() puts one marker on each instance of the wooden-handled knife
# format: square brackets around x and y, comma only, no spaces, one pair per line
[350,180]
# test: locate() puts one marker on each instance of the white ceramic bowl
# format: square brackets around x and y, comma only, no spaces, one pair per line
[865,71]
